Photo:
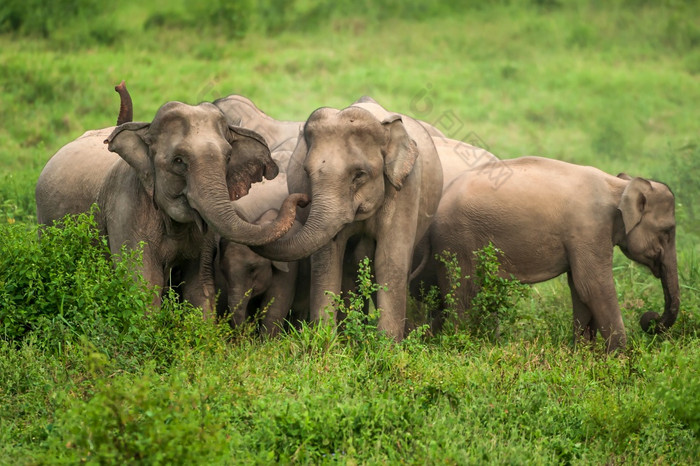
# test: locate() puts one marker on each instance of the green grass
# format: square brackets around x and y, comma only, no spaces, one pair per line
[611,84]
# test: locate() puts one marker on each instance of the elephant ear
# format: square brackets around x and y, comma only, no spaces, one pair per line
[250,161]
[624,176]
[129,140]
[400,151]
[281,266]
[634,202]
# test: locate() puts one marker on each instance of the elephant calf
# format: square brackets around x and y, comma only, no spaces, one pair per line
[247,282]
[552,217]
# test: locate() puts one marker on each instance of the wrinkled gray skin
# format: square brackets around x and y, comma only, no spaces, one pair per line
[170,180]
[456,157]
[241,111]
[375,181]
[553,217]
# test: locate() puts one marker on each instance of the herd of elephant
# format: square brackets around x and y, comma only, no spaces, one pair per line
[238,208]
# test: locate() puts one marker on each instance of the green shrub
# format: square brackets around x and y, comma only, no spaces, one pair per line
[359,328]
[497,297]
[64,283]
[140,418]
[494,303]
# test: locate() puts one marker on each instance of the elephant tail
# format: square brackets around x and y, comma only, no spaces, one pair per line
[423,251]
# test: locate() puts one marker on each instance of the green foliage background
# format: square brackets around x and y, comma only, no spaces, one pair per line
[84,375]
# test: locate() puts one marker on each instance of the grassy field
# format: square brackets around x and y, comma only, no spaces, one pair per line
[611,84]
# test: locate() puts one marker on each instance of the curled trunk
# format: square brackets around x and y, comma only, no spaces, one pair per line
[212,202]
[323,223]
[651,322]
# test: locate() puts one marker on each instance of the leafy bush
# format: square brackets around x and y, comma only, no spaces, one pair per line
[497,297]
[359,328]
[139,418]
[64,283]
[495,302]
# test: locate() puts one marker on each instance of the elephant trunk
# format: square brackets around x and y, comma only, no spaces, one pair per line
[212,202]
[238,306]
[651,322]
[323,223]
[126,107]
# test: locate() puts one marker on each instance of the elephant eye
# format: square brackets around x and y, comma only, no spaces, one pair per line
[178,162]
[359,176]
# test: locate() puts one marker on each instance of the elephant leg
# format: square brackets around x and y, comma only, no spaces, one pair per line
[198,291]
[273,321]
[462,292]
[326,276]
[584,324]
[593,282]
[362,248]
[155,276]
[300,304]
[393,265]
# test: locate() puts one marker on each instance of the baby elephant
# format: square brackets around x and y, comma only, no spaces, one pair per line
[552,217]
[247,282]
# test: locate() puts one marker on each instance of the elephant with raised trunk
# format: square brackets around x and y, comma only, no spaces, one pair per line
[375,180]
[552,217]
[170,181]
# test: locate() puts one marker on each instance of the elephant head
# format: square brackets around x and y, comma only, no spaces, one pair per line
[246,274]
[241,111]
[192,163]
[648,215]
[348,161]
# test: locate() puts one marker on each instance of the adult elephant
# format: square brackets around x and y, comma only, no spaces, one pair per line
[241,111]
[456,157]
[282,135]
[170,181]
[375,180]
[553,217]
